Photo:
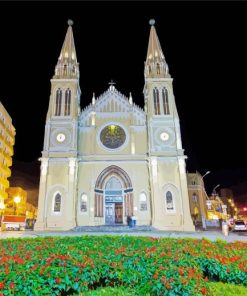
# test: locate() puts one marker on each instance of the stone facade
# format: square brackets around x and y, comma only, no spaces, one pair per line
[112,159]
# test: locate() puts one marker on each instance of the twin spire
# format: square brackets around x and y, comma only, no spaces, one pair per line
[155,65]
[68,68]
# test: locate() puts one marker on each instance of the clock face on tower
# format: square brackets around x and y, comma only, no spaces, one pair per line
[60,137]
[112,136]
[164,136]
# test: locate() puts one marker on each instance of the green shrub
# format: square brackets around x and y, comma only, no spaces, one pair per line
[222,289]
[148,266]
[109,291]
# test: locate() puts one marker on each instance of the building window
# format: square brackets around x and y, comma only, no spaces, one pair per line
[83,207]
[67,102]
[57,203]
[158,68]
[143,202]
[194,197]
[98,205]
[156,101]
[165,101]
[58,102]
[169,202]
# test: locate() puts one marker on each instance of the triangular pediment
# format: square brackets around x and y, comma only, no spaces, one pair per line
[112,103]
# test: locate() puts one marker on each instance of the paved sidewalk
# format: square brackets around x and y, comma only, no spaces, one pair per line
[211,235]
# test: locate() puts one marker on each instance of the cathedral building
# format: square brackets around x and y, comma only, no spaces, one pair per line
[112,159]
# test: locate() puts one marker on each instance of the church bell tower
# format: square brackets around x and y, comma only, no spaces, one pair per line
[170,202]
[57,193]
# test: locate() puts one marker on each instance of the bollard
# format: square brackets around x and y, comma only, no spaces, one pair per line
[225,229]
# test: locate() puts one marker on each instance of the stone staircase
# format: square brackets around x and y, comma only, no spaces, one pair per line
[113,228]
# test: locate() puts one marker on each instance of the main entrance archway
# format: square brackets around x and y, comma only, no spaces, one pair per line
[113,195]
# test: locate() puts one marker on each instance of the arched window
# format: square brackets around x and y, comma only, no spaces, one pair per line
[158,68]
[143,202]
[67,102]
[58,102]
[194,197]
[169,202]
[83,206]
[65,70]
[165,101]
[156,101]
[57,203]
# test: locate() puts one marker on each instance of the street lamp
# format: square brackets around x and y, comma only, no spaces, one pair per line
[214,190]
[208,172]
[17,199]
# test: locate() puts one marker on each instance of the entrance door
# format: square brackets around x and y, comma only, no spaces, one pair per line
[110,213]
[118,213]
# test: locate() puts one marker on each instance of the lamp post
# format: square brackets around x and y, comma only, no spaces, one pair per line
[208,172]
[17,199]
[214,189]
[204,212]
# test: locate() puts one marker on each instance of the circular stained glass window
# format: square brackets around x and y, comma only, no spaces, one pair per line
[112,136]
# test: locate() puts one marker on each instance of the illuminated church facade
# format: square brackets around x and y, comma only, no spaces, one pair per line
[112,159]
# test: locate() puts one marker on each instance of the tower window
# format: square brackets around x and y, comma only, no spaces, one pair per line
[156,101]
[57,203]
[169,202]
[65,70]
[165,101]
[58,102]
[67,102]
[158,68]
[194,197]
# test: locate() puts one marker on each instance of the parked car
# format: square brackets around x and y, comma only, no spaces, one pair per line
[239,225]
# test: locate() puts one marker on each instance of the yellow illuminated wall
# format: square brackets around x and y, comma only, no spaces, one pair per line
[7,140]
[16,202]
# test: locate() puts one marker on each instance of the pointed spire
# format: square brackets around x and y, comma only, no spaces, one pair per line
[93,99]
[67,66]
[155,65]
[130,99]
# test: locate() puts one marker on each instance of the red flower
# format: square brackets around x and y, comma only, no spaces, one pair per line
[171,280]
[155,276]
[58,280]
[1,285]
[168,286]
[228,270]
[204,291]
[11,285]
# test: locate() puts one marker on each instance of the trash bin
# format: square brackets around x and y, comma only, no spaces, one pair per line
[129,221]
[133,218]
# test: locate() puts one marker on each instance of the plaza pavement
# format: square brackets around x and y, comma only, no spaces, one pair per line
[211,235]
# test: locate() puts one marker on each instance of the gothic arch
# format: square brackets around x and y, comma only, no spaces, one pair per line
[116,171]
[101,181]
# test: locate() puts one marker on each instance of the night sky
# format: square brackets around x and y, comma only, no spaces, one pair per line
[205,48]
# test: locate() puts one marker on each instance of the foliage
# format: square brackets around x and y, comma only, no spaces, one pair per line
[149,266]
[219,289]
[109,291]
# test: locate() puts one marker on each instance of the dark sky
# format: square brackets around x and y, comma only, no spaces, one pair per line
[204,45]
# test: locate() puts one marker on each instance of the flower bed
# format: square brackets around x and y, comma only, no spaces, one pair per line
[69,265]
